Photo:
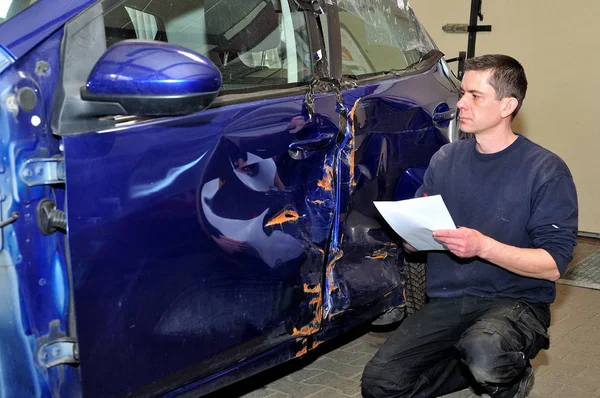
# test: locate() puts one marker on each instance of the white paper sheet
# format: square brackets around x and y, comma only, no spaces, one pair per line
[415,219]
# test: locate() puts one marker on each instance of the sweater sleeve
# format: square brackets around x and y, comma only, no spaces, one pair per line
[427,187]
[553,222]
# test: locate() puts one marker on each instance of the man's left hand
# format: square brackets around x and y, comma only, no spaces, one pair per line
[463,242]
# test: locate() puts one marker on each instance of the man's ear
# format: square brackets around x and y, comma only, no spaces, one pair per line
[508,106]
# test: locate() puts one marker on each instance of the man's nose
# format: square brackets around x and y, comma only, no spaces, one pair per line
[461,104]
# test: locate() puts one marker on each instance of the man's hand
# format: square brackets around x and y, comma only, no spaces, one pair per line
[463,242]
[530,262]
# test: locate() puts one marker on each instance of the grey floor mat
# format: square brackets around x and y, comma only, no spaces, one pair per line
[585,273]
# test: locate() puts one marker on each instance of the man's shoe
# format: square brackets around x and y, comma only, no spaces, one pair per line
[524,388]
[526,383]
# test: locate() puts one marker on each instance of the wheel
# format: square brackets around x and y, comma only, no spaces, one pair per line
[415,289]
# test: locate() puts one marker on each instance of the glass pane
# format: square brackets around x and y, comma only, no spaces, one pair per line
[10,8]
[252,42]
[380,35]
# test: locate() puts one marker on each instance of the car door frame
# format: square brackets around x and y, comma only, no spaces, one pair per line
[233,97]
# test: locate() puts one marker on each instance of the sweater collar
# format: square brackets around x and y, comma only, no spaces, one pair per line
[496,155]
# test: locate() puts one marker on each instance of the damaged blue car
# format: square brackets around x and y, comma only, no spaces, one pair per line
[187,187]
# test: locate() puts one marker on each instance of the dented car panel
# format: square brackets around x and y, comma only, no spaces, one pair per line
[172,256]
[390,133]
[221,239]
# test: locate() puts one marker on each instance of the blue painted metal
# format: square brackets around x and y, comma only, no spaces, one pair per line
[6,58]
[391,130]
[130,67]
[170,270]
[34,279]
[411,180]
[443,107]
[38,22]
[202,250]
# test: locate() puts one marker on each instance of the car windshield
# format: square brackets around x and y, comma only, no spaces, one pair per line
[10,8]
[381,35]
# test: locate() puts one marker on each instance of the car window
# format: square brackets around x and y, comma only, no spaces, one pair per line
[380,35]
[252,42]
[9,9]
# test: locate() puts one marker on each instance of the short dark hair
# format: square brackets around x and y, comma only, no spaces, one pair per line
[507,78]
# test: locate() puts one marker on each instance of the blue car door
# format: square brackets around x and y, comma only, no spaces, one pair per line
[198,241]
[401,101]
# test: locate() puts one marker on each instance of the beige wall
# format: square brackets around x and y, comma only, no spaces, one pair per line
[559,47]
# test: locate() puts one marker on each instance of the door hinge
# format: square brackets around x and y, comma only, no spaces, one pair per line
[43,171]
[58,352]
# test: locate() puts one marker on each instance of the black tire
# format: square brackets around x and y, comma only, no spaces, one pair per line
[415,288]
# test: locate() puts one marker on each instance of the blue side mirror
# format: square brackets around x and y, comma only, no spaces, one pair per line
[150,78]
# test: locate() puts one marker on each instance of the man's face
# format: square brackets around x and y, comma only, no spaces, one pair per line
[479,109]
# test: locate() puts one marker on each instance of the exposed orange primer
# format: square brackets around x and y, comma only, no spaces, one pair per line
[318,202]
[308,289]
[379,256]
[282,217]
[325,182]
[332,285]
[351,150]
[317,302]
[354,110]
[221,183]
[315,324]
[332,314]
[302,352]
[316,344]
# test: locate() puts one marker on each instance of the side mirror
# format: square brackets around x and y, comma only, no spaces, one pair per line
[151,78]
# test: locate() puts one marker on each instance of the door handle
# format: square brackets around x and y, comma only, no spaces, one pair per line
[439,117]
[301,149]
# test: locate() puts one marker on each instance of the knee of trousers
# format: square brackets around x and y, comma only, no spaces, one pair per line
[489,357]
[380,379]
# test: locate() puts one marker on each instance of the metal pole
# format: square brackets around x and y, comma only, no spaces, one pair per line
[475,12]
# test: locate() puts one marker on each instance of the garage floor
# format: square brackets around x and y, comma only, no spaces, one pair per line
[570,368]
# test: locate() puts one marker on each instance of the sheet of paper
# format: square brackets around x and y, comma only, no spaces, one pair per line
[415,219]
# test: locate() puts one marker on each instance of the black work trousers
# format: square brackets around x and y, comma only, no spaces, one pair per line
[453,343]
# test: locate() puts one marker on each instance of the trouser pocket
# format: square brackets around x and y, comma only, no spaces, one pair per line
[533,331]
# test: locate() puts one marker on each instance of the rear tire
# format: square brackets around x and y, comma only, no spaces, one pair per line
[415,289]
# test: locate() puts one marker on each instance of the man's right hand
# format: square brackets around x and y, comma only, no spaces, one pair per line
[408,247]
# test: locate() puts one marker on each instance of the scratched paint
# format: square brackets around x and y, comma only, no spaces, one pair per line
[318,202]
[302,352]
[332,285]
[283,217]
[317,308]
[325,182]
[314,325]
[350,150]
[378,256]
[336,256]
[308,289]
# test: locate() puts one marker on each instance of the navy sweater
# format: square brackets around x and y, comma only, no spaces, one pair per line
[523,196]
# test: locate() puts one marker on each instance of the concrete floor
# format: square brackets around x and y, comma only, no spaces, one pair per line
[570,368]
